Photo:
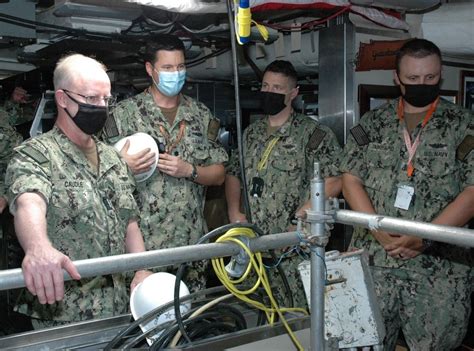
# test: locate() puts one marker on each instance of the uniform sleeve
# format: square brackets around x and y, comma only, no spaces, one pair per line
[114,127]
[352,160]
[327,152]
[217,153]
[465,154]
[28,172]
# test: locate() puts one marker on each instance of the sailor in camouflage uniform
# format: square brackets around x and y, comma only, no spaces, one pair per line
[72,199]
[9,138]
[171,201]
[423,286]
[19,109]
[279,153]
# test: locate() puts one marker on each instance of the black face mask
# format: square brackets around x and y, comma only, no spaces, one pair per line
[89,118]
[420,95]
[272,103]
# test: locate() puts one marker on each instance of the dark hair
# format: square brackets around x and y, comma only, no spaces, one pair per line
[283,67]
[166,42]
[419,48]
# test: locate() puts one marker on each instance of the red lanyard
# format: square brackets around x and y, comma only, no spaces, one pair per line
[411,147]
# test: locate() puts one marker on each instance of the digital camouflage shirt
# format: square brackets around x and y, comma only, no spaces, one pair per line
[289,170]
[444,165]
[87,216]
[171,208]
[9,138]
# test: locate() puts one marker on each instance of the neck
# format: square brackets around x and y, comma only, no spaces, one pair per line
[163,100]
[413,109]
[73,133]
[280,118]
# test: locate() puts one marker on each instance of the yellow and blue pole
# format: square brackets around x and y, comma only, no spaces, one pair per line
[244,20]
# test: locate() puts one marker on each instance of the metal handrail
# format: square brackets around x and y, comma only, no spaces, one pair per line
[13,278]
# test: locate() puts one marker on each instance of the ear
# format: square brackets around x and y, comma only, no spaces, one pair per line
[395,77]
[294,92]
[60,97]
[149,68]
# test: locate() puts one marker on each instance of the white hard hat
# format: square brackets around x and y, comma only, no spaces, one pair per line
[156,290]
[139,142]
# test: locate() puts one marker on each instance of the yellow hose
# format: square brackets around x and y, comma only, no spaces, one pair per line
[257,264]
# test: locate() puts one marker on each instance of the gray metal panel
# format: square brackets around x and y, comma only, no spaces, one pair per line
[336,78]
[24,9]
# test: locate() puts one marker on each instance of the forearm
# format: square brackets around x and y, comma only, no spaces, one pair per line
[134,239]
[333,186]
[210,175]
[232,193]
[355,194]
[459,212]
[31,213]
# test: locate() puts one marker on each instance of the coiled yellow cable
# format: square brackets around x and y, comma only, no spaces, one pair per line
[257,264]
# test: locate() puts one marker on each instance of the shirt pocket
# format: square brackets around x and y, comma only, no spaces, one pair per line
[439,177]
[198,150]
[72,198]
[381,160]
[287,176]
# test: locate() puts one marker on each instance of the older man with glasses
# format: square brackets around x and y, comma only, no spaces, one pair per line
[71,196]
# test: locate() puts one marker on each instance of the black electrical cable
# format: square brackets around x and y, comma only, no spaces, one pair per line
[150,315]
[136,339]
[33,24]
[180,272]
[207,237]
[202,59]
[174,329]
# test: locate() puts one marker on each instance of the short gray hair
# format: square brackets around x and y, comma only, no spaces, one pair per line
[70,66]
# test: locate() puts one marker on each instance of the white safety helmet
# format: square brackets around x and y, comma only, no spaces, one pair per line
[139,142]
[156,290]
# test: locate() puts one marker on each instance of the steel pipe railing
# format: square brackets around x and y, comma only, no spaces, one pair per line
[13,278]
[318,256]
[446,234]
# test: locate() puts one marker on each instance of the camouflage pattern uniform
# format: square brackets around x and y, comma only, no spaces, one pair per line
[88,214]
[19,113]
[172,208]
[286,180]
[9,138]
[428,296]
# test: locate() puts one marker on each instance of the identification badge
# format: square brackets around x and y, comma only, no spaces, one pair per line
[404,196]
[257,187]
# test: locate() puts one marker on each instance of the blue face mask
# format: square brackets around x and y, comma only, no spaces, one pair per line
[170,83]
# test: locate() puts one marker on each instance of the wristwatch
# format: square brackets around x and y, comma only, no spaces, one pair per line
[194,174]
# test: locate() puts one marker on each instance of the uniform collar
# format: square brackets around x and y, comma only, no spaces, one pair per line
[285,128]
[106,160]
[183,106]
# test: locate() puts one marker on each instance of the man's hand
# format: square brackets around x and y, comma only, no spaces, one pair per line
[3,204]
[139,162]
[20,96]
[384,238]
[174,166]
[43,272]
[405,247]
[138,278]
[237,217]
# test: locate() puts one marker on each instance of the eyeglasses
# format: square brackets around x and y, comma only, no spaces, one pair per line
[94,100]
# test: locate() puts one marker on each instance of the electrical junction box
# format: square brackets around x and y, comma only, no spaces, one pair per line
[352,313]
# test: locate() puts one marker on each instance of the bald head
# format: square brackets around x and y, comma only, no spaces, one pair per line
[76,68]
